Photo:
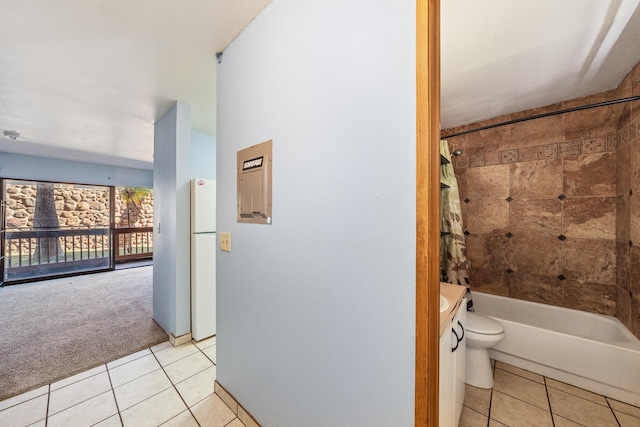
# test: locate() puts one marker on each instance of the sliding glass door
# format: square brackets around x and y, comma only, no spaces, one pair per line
[55,229]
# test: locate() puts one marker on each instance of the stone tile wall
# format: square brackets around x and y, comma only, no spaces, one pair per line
[546,205]
[628,206]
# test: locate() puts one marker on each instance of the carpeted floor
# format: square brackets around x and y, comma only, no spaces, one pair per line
[53,329]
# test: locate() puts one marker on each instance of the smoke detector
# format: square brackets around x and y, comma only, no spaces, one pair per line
[11,134]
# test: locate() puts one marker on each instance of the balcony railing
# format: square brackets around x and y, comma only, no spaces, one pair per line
[47,252]
[134,243]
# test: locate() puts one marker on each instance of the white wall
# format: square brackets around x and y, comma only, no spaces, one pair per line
[202,156]
[18,166]
[171,252]
[316,312]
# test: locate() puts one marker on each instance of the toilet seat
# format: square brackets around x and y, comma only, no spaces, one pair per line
[483,325]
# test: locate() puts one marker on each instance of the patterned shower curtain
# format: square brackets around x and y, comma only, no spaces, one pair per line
[453,248]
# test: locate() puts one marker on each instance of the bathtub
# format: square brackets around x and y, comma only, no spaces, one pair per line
[587,350]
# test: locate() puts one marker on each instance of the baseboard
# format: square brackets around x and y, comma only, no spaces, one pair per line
[242,414]
[182,339]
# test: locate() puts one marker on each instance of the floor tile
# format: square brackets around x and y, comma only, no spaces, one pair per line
[235,423]
[579,410]
[521,388]
[197,387]
[210,352]
[25,413]
[513,412]
[12,401]
[624,408]
[78,392]
[141,388]
[213,412]
[226,398]
[87,413]
[112,421]
[563,422]
[207,342]
[478,399]
[132,370]
[471,418]
[184,419]
[78,377]
[128,358]
[171,354]
[626,420]
[146,396]
[184,368]
[155,410]
[160,346]
[522,372]
[596,398]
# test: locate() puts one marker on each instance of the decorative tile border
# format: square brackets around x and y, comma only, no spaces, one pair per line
[527,154]
[544,152]
[629,133]
[548,151]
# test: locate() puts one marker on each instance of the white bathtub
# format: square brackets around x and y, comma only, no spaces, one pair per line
[591,351]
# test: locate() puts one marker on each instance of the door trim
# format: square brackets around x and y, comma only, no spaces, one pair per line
[427,211]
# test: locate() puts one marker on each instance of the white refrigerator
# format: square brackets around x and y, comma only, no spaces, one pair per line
[203,258]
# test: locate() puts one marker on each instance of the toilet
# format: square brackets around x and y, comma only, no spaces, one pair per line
[482,333]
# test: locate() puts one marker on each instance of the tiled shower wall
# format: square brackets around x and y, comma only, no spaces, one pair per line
[546,205]
[628,206]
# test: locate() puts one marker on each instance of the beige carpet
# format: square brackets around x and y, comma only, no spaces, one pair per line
[53,329]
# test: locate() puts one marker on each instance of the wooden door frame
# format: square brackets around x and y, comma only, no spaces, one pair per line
[427,211]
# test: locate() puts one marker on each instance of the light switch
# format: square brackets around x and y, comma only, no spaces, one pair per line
[225,242]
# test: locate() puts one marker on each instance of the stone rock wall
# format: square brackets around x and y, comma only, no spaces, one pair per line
[77,207]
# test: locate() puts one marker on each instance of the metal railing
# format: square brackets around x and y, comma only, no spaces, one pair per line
[35,247]
[32,253]
[42,252]
[134,243]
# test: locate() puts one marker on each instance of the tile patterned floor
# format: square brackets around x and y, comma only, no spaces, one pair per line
[161,386]
[173,387]
[522,398]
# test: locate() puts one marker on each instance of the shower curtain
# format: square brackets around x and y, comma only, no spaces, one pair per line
[453,248]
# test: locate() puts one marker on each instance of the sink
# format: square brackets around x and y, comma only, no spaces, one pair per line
[444,304]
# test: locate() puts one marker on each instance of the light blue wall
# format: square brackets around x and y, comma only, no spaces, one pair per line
[316,312]
[18,166]
[171,257]
[203,156]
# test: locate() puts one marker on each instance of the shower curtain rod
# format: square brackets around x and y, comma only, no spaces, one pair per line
[552,113]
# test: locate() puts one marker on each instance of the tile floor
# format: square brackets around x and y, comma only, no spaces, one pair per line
[161,386]
[522,398]
[173,386]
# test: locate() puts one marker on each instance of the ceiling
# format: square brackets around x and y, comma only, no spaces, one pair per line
[87,79]
[87,82]
[504,56]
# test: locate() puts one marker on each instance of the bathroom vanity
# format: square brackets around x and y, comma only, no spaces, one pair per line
[452,353]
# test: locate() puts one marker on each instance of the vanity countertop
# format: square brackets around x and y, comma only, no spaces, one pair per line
[453,294]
